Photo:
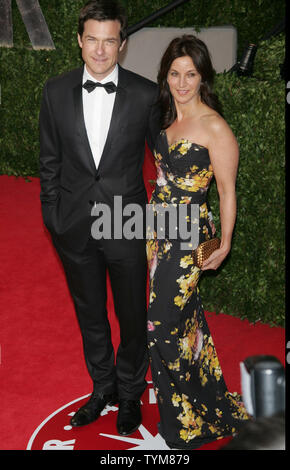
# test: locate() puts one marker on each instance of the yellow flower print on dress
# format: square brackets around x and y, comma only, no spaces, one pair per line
[166,246]
[193,400]
[185,200]
[152,296]
[218,412]
[152,250]
[179,301]
[193,168]
[183,148]
[174,365]
[166,193]
[194,182]
[191,422]
[236,400]
[161,196]
[151,325]
[175,399]
[190,345]
[158,157]
[186,261]
[174,331]
[205,232]
[187,284]
[161,181]
[209,360]
[202,178]
[203,211]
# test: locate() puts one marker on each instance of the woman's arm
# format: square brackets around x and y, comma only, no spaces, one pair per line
[224,156]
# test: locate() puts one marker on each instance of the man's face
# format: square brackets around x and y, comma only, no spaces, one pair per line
[101,44]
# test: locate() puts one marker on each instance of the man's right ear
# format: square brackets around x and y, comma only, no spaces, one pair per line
[80,41]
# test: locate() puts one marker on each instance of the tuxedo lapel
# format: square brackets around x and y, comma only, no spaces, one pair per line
[118,116]
[81,133]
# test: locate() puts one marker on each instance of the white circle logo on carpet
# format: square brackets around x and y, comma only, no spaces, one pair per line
[56,433]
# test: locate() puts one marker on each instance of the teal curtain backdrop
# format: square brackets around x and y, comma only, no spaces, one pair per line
[251,282]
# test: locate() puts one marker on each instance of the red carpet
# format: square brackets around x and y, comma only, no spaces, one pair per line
[43,374]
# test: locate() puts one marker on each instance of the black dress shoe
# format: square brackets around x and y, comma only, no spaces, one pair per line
[91,410]
[129,417]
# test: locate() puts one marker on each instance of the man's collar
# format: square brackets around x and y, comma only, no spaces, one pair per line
[112,77]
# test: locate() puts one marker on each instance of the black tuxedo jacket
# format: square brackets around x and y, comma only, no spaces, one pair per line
[68,175]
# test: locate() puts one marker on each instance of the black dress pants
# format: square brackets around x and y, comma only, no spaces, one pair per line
[126,263]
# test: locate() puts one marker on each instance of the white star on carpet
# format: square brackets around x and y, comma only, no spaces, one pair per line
[149,442]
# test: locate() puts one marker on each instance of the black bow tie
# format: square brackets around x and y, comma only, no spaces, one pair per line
[110,87]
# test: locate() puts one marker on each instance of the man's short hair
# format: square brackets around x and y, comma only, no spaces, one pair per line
[103,10]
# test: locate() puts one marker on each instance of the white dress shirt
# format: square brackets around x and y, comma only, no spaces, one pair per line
[98,107]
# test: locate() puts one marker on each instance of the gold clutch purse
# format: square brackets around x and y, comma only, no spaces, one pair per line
[204,250]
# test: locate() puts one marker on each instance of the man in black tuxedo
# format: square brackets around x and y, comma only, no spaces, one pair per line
[92,142]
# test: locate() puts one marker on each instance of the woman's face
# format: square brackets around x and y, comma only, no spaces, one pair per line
[183,80]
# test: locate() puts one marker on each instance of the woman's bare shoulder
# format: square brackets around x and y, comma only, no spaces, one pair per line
[214,122]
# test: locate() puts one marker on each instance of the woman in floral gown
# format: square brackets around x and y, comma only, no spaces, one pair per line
[195,144]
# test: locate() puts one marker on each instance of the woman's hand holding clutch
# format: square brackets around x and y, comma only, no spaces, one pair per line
[215,259]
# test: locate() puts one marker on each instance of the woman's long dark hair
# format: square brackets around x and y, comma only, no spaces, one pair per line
[186,45]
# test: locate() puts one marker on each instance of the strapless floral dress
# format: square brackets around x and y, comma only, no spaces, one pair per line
[194,403]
